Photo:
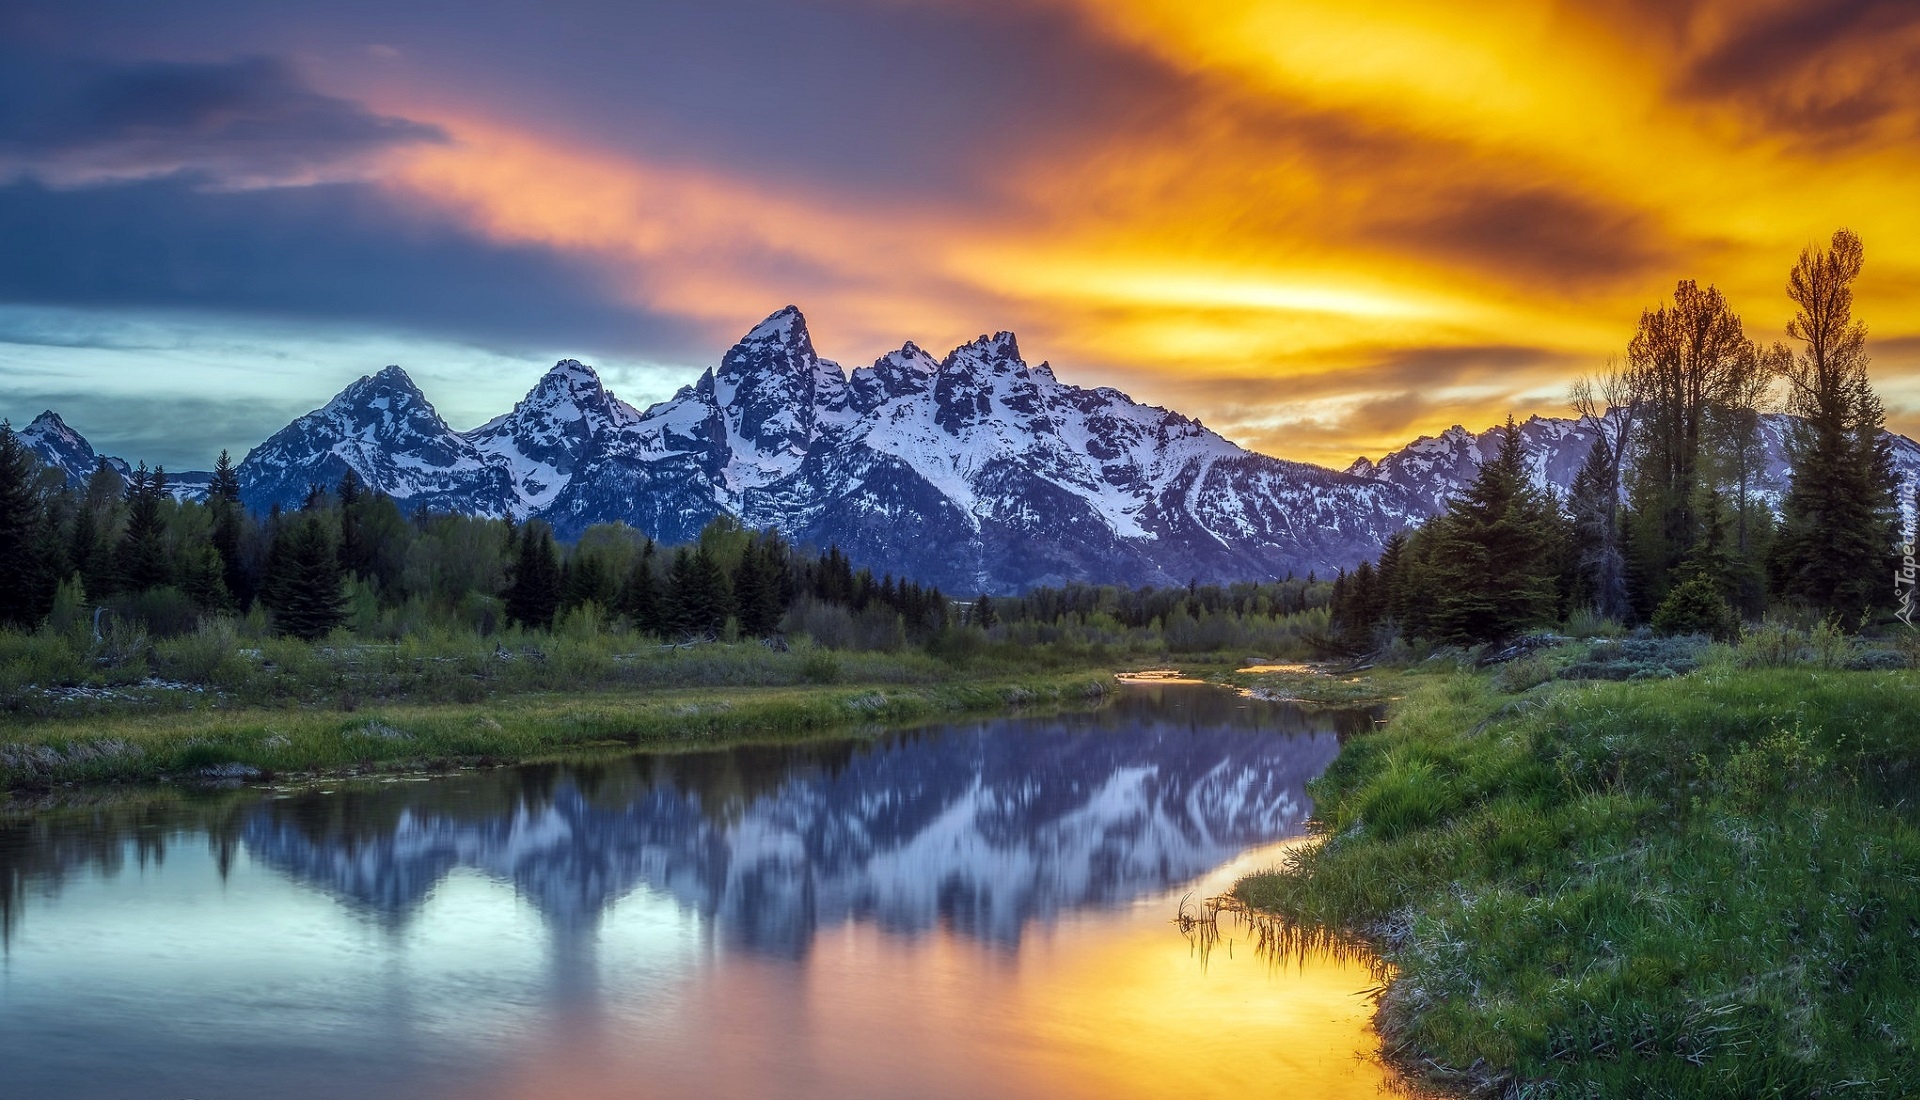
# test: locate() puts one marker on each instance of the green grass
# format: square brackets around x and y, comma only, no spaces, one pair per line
[137,745]
[1702,886]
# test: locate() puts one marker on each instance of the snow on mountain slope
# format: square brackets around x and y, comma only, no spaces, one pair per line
[552,431]
[1434,468]
[974,471]
[384,429]
[66,450]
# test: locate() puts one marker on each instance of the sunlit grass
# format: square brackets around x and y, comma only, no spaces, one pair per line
[1702,886]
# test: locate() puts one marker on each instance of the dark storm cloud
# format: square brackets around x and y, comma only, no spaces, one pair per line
[871,96]
[334,251]
[1532,235]
[1827,70]
[241,123]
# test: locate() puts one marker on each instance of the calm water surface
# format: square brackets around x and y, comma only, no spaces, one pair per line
[968,910]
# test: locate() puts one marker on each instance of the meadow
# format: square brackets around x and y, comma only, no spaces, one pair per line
[1638,867]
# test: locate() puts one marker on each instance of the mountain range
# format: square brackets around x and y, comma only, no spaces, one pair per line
[974,471]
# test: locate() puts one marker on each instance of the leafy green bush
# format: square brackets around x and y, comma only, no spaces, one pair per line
[1695,606]
[820,666]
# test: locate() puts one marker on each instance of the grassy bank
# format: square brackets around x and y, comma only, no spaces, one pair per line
[1706,885]
[132,743]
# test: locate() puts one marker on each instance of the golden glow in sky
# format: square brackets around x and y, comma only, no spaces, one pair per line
[1321,226]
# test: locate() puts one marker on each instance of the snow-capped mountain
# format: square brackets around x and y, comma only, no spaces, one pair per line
[973,472]
[61,448]
[1434,468]
[384,429]
[66,450]
[551,432]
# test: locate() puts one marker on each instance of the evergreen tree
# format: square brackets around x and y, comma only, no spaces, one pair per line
[91,542]
[982,614]
[304,584]
[587,580]
[226,480]
[142,556]
[1392,573]
[1494,560]
[356,555]
[756,588]
[229,525]
[1839,524]
[640,595]
[533,596]
[700,596]
[1601,564]
[24,591]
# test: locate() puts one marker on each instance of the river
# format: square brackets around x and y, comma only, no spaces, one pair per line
[971,909]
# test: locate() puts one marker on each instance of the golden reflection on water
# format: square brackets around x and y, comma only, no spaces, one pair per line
[1115,1004]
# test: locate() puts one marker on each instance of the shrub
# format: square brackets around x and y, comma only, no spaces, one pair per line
[198,656]
[1696,607]
[1637,659]
[820,667]
[1772,644]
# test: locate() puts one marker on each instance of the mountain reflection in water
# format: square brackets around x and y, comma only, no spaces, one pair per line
[990,831]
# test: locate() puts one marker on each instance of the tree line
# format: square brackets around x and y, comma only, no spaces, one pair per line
[349,557]
[1666,522]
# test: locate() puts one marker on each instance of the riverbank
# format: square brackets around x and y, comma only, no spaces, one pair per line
[1703,885]
[129,743]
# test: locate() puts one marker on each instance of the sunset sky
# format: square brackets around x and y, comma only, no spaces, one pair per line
[1323,228]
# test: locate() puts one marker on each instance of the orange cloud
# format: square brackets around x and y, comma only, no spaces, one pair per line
[1369,220]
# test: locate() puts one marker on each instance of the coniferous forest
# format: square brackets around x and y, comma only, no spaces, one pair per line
[1665,524]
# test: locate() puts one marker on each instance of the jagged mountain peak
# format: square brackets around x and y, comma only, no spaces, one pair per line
[999,351]
[384,429]
[57,445]
[552,431]
[786,327]
[389,388]
[49,423]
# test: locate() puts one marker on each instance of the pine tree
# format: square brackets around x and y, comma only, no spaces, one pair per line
[640,595]
[1594,504]
[142,555]
[533,596]
[982,614]
[1839,524]
[756,589]
[356,555]
[23,586]
[223,497]
[226,480]
[702,598]
[304,586]
[586,580]
[1495,556]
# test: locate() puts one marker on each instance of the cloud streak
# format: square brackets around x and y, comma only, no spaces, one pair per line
[1314,225]
[234,125]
